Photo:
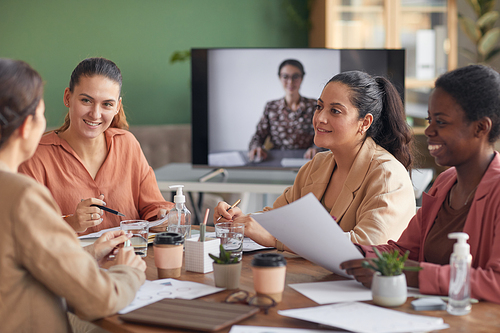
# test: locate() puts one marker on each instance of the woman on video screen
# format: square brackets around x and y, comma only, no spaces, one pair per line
[286,121]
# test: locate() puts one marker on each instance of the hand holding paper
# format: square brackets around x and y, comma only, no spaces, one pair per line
[308,230]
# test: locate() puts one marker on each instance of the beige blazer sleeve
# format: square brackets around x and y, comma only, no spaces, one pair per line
[46,246]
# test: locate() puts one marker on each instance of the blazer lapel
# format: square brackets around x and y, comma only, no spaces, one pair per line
[478,207]
[319,179]
[355,178]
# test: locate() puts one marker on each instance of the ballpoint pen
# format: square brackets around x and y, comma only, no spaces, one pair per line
[112,211]
[227,210]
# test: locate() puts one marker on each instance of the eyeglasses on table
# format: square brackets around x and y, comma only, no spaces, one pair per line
[263,302]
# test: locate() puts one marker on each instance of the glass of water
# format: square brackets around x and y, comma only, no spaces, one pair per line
[231,237]
[139,231]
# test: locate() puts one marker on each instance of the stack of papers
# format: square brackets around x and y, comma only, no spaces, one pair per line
[375,319]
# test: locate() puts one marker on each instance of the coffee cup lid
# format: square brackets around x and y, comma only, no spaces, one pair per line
[268,260]
[168,238]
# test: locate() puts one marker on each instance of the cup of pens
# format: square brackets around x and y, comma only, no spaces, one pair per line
[197,250]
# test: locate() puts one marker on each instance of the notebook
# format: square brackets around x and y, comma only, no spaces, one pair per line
[190,314]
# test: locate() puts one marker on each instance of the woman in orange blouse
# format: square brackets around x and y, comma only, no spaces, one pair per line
[93,159]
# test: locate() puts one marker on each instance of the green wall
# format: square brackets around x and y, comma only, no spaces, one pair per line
[140,36]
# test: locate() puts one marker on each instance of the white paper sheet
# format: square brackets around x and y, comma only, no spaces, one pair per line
[153,291]
[309,230]
[265,329]
[334,291]
[375,319]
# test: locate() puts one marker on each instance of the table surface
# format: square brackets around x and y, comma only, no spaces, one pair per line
[238,180]
[484,317]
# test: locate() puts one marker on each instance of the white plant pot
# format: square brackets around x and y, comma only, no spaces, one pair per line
[389,291]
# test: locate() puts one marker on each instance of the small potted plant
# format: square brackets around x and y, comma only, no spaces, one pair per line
[389,282]
[227,270]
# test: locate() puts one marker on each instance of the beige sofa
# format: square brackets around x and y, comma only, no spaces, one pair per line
[164,144]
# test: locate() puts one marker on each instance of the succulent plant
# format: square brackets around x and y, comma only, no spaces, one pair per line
[390,263]
[224,257]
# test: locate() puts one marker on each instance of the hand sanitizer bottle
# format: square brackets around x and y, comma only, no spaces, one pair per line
[460,261]
[179,218]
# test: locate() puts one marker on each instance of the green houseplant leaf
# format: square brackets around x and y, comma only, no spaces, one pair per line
[224,257]
[469,27]
[390,263]
[492,54]
[487,20]
[488,42]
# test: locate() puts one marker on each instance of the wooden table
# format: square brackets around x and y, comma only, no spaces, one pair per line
[485,316]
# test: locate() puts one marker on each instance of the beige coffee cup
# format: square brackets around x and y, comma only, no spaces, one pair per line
[168,250]
[269,271]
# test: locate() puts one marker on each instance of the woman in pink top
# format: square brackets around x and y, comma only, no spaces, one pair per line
[93,159]
[464,123]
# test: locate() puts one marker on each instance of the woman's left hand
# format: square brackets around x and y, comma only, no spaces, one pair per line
[107,244]
[361,274]
[255,231]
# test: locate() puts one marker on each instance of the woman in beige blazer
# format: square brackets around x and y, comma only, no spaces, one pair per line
[43,268]
[363,179]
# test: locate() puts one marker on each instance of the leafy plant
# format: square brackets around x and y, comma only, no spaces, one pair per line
[224,257]
[482,31]
[180,56]
[390,263]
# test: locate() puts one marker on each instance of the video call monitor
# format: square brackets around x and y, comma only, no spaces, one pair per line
[231,86]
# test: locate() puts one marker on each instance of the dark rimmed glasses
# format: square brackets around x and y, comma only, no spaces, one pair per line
[263,302]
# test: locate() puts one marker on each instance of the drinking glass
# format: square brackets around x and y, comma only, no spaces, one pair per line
[139,231]
[231,237]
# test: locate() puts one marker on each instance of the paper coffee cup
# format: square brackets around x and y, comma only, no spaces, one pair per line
[168,250]
[269,270]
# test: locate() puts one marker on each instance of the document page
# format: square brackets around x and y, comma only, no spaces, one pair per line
[309,231]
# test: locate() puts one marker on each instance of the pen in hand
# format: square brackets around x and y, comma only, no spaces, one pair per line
[227,210]
[112,211]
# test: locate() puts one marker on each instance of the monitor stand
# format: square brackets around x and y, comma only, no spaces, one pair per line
[212,174]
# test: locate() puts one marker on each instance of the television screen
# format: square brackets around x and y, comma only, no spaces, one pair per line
[231,87]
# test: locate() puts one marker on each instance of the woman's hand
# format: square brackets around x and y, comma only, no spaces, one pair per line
[127,256]
[107,244]
[255,231]
[227,216]
[309,154]
[257,155]
[86,216]
[361,274]
[365,275]
[162,212]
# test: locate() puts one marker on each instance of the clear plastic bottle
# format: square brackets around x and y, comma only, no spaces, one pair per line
[179,217]
[460,261]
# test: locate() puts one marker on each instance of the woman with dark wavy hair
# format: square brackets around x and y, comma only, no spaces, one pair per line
[363,179]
